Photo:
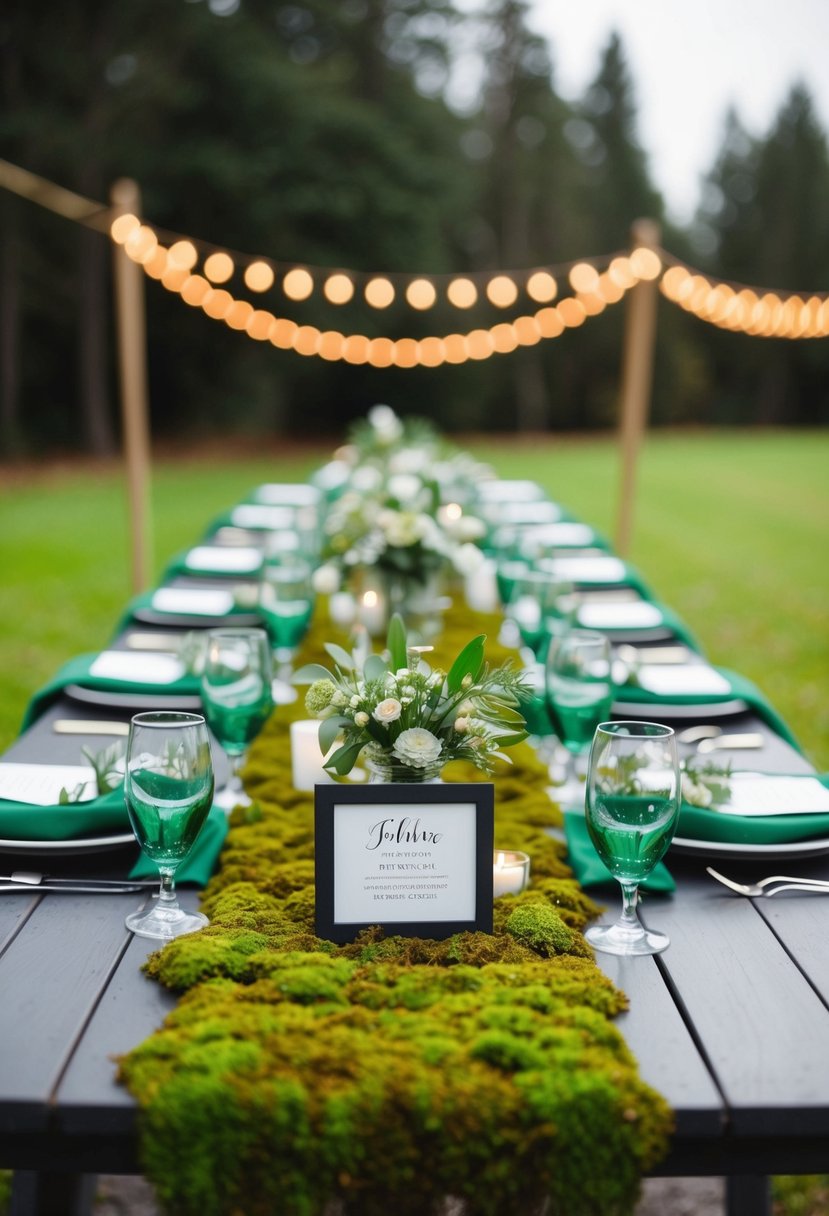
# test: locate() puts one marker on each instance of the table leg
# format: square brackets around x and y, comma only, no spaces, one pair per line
[748,1195]
[40,1193]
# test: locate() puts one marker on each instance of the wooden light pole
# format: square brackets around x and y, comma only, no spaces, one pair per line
[637,378]
[132,363]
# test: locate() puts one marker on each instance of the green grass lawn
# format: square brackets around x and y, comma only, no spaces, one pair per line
[731,530]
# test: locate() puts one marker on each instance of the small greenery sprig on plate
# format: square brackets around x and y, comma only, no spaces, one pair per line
[108,772]
[403,711]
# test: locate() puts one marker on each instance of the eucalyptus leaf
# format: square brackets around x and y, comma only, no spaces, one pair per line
[344,758]
[329,730]
[341,657]
[309,673]
[375,668]
[468,663]
[396,642]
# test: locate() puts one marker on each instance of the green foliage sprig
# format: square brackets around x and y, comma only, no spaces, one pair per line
[401,710]
[108,773]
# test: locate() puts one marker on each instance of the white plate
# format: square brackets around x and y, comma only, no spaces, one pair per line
[131,700]
[87,844]
[657,711]
[726,848]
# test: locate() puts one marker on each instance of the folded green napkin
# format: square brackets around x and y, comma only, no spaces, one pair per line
[179,565]
[201,861]
[106,816]
[589,868]
[97,817]
[76,671]
[697,823]
[739,687]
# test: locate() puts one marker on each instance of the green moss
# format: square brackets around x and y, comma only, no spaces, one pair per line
[540,928]
[389,1072]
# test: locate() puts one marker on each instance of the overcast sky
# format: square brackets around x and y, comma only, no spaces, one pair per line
[690,59]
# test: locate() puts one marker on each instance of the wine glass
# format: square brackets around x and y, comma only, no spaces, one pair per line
[542,607]
[633,800]
[168,787]
[286,601]
[236,695]
[579,695]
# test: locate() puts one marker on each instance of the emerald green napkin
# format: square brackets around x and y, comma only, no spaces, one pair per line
[97,817]
[201,861]
[76,671]
[106,816]
[739,687]
[144,600]
[589,868]
[697,823]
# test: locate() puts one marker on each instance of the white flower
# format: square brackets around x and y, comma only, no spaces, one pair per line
[326,580]
[417,746]
[385,423]
[404,487]
[408,460]
[387,711]
[461,725]
[354,702]
[467,559]
[469,527]
[361,719]
[366,479]
[695,792]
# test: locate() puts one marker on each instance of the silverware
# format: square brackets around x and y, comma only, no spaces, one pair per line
[730,742]
[693,734]
[78,726]
[766,885]
[74,889]
[31,878]
[638,655]
[164,643]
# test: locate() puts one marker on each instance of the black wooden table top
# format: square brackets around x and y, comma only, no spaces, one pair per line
[731,1024]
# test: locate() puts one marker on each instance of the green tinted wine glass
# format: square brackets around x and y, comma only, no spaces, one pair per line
[236,692]
[632,806]
[168,787]
[579,695]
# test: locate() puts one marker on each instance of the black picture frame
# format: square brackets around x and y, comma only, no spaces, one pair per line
[334,803]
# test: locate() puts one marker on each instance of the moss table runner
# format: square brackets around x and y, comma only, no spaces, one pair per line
[390,1072]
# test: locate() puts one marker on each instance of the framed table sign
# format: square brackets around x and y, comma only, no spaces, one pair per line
[415,859]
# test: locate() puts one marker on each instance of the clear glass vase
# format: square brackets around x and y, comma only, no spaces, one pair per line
[385,770]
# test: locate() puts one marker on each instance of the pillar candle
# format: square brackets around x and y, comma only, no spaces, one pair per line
[306,758]
[510,873]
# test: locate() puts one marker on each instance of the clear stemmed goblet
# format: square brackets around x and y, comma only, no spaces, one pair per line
[632,806]
[168,786]
[579,695]
[286,601]
[236,695]
[542,607]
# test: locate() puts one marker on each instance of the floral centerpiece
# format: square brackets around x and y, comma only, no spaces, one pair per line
[407,720]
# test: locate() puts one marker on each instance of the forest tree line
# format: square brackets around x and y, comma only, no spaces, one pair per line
[328,132]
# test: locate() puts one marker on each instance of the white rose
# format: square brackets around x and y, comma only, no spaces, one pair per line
[387,711]
[461,725]
[467,559]
[404,487]
[326,580]
[417,746]
[361,719]
[366,479]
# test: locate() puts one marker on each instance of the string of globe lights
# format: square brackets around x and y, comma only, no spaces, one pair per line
[203,282]
[757,311]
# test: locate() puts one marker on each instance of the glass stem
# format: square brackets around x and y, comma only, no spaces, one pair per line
[167,894]
[630,898]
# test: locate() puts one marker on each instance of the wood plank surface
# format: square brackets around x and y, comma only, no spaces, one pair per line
[763,1029]
[52,975]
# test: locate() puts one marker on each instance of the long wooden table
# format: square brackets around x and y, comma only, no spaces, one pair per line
[731,1024]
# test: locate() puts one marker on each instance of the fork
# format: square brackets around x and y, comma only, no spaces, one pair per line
[786,881]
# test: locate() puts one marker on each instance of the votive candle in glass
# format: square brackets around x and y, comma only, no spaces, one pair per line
[510,872]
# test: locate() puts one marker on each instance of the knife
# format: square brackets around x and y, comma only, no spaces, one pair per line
[31,878]
[727,742]
[80,726]
[75,889]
